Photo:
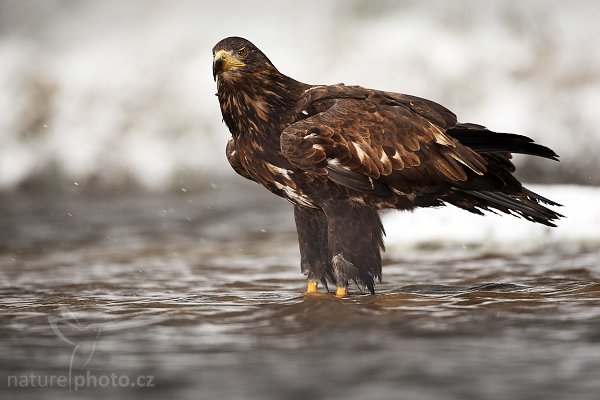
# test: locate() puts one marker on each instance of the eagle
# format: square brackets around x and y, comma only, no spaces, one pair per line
[341,154]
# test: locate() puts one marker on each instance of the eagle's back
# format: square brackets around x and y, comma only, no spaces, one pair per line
[378,149]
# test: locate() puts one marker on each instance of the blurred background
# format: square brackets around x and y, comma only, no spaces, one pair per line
[129,246]
[119,93]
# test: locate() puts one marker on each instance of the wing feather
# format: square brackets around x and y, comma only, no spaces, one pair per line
[234,159]
[364,137]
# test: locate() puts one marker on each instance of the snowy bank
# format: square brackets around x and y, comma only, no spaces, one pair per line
[453,227]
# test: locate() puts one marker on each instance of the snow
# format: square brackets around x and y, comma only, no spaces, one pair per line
[455,228]
[120,90]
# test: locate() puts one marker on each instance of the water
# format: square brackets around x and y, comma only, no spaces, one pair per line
[198,296]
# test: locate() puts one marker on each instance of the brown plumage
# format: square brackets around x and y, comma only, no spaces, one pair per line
[341,153]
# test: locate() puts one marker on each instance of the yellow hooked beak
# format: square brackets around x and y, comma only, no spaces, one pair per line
[224,61]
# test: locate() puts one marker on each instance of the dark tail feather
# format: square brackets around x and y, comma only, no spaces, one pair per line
[484,141]
[526,205]
[540,199]
[510,197]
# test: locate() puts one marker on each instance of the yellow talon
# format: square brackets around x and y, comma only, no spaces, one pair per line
[341,291]
[312,287]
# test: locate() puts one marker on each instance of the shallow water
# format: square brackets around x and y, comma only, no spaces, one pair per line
[198,296]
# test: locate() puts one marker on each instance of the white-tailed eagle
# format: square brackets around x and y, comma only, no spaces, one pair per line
[342,153]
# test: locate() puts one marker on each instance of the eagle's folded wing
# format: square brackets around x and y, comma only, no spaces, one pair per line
[376,142]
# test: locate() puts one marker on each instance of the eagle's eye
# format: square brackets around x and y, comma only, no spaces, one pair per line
[243,52]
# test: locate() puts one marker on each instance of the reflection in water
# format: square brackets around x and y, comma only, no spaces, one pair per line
[204,297]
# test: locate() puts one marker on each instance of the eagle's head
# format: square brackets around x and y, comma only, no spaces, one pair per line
[235,56]
[254,96]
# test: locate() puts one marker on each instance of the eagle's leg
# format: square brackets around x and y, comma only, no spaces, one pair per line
[355,237]
[312,238]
